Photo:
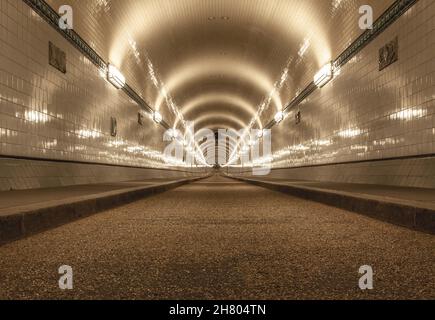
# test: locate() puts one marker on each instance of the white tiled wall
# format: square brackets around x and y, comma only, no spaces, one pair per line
[18,174]
[363,114]
[49,115]
[367,114]
[417,172]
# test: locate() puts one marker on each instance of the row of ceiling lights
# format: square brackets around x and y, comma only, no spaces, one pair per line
[321,78]
[117,79]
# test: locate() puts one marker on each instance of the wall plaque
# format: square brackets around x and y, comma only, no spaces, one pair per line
[298,117]
[140,118]
[113,127]
[57,57]
[389,54]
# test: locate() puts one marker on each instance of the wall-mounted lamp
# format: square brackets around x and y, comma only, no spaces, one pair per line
[279,116]
[324,75]
[157,117]
[115,77]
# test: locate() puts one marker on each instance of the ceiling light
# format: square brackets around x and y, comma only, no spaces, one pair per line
[157,117]
[115,77]
[323,76]
[279,117]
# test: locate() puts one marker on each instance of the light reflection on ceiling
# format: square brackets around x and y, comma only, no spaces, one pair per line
[220,62]
[265,50]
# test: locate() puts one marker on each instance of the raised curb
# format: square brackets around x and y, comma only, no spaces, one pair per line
[24,222]
[405,215]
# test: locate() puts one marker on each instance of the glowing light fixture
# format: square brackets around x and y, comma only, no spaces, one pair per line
[115,77]
[157,117]
[173,133]
[324,76]
[279,117]
[245,149]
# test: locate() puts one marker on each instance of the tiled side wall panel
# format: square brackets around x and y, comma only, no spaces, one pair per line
[418,173]
[367,114]
[29,174]
[50,115]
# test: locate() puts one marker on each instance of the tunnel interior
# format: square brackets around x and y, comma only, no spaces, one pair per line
[337,91]
[294,124]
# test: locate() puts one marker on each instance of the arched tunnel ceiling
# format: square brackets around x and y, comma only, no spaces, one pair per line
[217,61]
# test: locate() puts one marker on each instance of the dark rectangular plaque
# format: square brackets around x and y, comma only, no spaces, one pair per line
[57,57]
[140,118]
[389,54]
[113,127]
[298,117]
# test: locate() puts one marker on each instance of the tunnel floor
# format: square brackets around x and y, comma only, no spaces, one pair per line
[221,239]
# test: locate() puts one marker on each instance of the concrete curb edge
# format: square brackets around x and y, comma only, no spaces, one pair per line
[416,218]
[30,222]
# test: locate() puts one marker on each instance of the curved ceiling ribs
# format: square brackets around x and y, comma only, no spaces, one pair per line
[219,62]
